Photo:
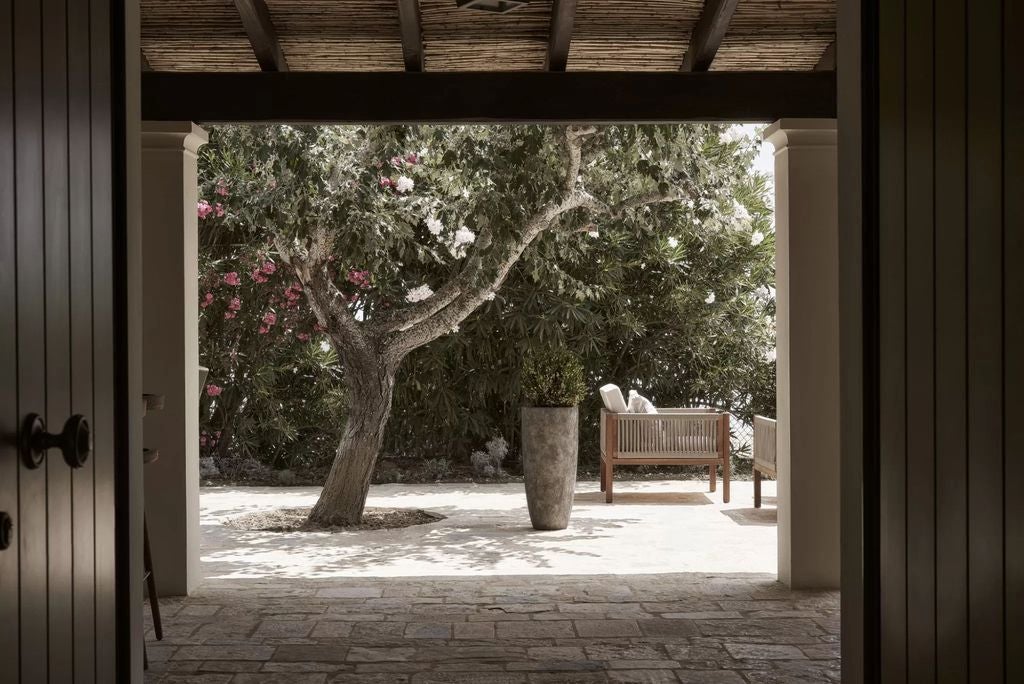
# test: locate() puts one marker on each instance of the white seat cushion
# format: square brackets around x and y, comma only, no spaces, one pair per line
[611,395]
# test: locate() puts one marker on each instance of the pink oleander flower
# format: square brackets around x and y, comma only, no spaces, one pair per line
[385,182]
[213,390]
[228,315]
[203,209]
[218,210]
[232,278]
[202,440]
[359,278]
[235,304]
[396,161]
[412,158]
[222,188]
[264,330]
[207,300]
[270,318]
[269,267]
[258,276]
[303,337]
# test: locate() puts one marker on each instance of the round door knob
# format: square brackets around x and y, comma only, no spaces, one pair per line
[6,530]
[74,441]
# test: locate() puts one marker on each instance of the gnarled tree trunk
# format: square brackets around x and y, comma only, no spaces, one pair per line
[344,495]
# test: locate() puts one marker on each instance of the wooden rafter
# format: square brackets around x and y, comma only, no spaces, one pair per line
[828,59]
[412,34]
[262,35]
[481,97]
[708,34]
[563,13]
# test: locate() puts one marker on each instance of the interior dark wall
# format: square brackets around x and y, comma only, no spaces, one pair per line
[941,323]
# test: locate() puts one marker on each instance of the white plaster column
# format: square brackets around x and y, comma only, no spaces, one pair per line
[807,319]
[170,325]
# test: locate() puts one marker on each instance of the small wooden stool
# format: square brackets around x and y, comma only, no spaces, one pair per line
[150,402]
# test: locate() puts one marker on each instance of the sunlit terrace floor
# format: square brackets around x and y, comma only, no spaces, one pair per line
[666,585]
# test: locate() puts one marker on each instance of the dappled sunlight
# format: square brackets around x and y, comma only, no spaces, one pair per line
[653,527]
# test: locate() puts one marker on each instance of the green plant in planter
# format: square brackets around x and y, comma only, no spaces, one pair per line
[552,377]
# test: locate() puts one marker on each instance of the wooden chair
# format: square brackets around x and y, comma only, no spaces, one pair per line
[764,453]
[675,436]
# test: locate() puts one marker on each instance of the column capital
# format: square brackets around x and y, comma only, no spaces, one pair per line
[801,133]
[173,135]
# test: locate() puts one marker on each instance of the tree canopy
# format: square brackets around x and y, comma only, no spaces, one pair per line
[660,277]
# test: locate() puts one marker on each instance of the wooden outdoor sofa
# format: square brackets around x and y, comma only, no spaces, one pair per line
[673,436]
[764,453]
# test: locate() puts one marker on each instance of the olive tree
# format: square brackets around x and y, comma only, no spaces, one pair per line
[397,234]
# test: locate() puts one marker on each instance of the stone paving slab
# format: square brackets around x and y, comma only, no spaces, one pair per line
[677,628]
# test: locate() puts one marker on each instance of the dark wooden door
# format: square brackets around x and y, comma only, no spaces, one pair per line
[934,426]
[57,599]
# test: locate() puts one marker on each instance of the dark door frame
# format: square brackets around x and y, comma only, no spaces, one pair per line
[859,233]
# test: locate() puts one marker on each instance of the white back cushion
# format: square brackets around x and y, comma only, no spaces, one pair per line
[611,395]
[640,404]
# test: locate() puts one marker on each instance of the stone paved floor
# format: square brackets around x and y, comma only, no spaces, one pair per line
[481,597]
[682,628]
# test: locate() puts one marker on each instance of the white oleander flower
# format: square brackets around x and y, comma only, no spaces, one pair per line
[404,184]
[771,355]
[418,294]
[673,242]
[434,225]
[593,234]
[490,296]
[710,299]
[757,238]
[740,211]
[464,236]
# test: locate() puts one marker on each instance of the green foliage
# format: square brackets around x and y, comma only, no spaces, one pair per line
[674,300]
[552,377]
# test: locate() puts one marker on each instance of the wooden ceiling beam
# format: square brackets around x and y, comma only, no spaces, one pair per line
[487,97]
[262,35]
[708,34]
[563,14]
[828,59]
[411,26]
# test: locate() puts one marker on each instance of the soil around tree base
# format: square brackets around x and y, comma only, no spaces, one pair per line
[297,520]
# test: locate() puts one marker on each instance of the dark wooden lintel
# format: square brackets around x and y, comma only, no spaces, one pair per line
[468,97]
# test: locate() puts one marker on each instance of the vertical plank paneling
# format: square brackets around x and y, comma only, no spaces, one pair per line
[80,225]
[58,348]
[950,344]
[1013,343]
[9,642]
[984,346]
[103,337]
[892,341]
[31,323]
[920,342]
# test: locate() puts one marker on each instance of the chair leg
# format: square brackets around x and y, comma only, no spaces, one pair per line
[725,480]
[609,479]
[154,601]
[713,476]
[757,488]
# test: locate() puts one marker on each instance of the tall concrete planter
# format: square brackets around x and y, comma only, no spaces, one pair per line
[550,443]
